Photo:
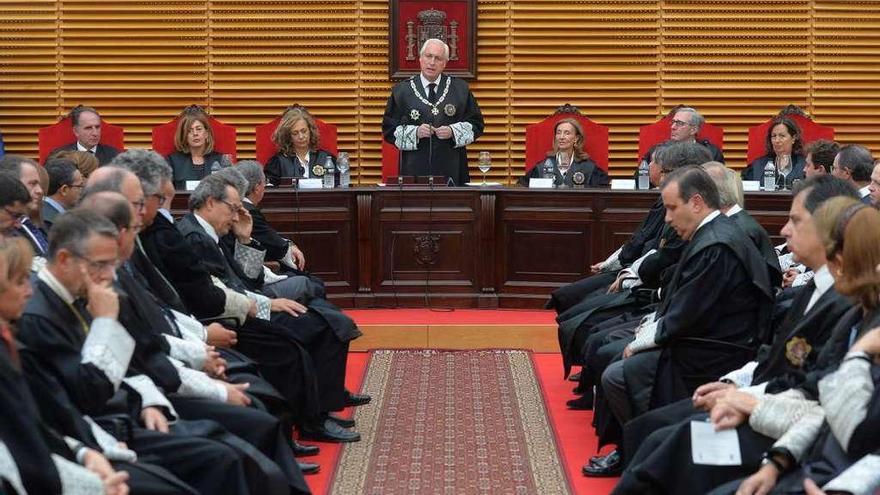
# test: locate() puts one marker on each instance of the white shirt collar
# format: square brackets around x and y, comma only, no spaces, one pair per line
[80,147]
[208,227]
[426,82]
[733,210]
[247,200]
[864,192]
[823,279]
[709,218]
[167,214]
[57,287]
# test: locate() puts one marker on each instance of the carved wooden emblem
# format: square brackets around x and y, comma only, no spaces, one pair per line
[425,248]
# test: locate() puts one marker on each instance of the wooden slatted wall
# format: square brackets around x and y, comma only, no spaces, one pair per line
[624,63]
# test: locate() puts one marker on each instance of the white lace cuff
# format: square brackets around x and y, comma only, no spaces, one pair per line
[250,259]
[743,376]
[197,384]
[150,394]
[405,137]
[862,478]
[645,335]
[191,353]
[109,347]
[190,328]
[775,414]
[109,444]
[75,479]
[264,305]
[845,396]
[463,133]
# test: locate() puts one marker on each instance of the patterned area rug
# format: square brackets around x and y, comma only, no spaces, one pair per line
[451,422]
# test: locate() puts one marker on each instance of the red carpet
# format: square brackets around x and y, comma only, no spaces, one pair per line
[453,317]
[573,432]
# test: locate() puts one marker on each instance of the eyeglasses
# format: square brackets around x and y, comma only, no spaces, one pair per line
[234,208]
[680,123]
[14,214]
[97,266]
[76,186]
[138,205]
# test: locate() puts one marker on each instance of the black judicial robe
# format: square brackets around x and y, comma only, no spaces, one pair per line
[777,366]
[576,323]
[310,330]
[104,153]
[755,170]
[762,241]
[408,106]
[281,165]
[183,169]
[51,333]
[593,175]
[720,290]
[20,430]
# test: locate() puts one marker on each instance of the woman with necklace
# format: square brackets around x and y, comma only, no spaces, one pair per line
[298,155]
[571,164]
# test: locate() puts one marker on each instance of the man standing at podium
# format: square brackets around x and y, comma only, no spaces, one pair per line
[432,117]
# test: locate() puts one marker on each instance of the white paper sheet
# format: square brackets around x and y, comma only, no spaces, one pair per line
[714,448]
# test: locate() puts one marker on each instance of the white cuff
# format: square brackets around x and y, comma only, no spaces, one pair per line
[250,259]
[190,328]
[150,394]
[197,384]
[75,479]
[109,347]
[638,264]
[109,444]
[9,469]
[862,478]
[645,335]
[264,305]
[405,137]
[463,133]
[269,277]
[191,353]
[743,376]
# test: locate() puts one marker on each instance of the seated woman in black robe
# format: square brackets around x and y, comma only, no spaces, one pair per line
[783,145]
[298,155]
[571,164]
[195,155]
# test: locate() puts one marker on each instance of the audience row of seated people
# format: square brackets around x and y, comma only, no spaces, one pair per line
[698,318]
[159,356]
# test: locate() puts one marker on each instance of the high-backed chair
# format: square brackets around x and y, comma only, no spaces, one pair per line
[327,139]
[659,131]
[810,131]
[540,135]
[224,137]
[61,134]
[390,160]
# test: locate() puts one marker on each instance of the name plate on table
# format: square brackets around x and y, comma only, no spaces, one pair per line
[629,184]
[540,183]
[310,183]
[192,184]
[751,185]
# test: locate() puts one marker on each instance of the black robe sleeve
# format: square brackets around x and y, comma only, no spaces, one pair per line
[276,246]
[273,170]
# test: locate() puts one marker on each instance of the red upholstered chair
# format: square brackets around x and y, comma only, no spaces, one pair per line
[327,139]
[659,131]
[810,131]
[224,137]
[61,133]
[539,137]
[390,159]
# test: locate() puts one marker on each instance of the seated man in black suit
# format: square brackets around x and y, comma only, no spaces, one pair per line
[27,172]
[65,185]
[686,124]
[86,124]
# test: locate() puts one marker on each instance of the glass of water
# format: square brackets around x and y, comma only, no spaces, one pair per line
[342,164]
[485,163]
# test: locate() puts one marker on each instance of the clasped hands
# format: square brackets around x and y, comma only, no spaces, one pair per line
[727,406]
[426,130]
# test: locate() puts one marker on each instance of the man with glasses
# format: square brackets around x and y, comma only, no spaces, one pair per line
[65,185]
[686,124]
[26,171]
[14,198]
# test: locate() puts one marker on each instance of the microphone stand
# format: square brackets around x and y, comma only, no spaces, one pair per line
[403,122]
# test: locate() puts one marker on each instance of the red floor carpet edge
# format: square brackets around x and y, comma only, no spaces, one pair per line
[451,317]
[574,435]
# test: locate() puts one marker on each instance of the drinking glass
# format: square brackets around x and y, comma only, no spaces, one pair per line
[485,163]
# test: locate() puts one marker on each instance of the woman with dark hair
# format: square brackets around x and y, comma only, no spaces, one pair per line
[783,147]
[195,155]
[571,164]
[298,154]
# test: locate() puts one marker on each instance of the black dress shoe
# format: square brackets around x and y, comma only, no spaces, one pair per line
[300,450]
[582,403]
[345,423]
[309,467]
[356,399]
[329,432]
[611,465]
[574,377]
